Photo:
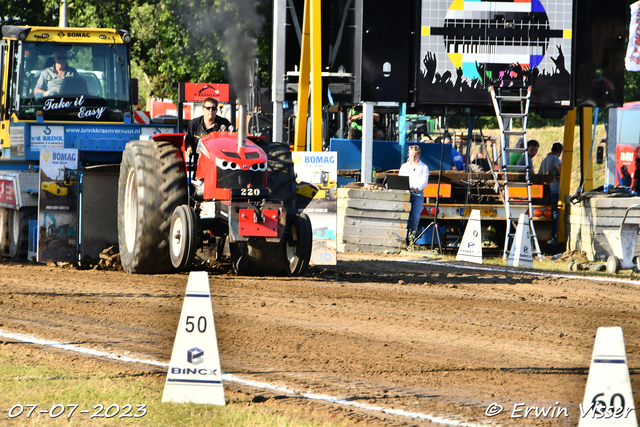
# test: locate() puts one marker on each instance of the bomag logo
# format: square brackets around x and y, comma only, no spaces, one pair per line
[64,157]
[319,159]
[74,34]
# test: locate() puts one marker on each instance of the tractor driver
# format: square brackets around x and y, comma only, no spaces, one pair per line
[209,122]
[50,80]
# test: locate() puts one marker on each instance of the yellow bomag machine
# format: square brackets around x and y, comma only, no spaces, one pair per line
[61,187]
[91,112]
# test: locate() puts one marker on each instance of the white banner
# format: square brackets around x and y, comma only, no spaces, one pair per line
[318,173]
[632,59]
[57,202]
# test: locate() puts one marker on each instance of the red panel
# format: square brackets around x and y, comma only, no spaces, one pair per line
[200,91]
[625,155]
[248,226]
[216,193]
[159,108]
[176,139]
[7,194]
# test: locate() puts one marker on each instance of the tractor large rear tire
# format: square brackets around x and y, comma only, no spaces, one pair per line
[290,257]
[259,259]
[4,231]
[19,232]
[152,184]
[281,178]
[262,258]
[299,244]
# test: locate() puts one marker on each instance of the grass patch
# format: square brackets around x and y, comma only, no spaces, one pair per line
[561,265]
[32,375]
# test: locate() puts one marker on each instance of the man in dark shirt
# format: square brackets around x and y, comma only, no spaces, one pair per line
[636,176]
[208,122]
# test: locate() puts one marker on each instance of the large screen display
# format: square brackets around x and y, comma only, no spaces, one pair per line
[468,45]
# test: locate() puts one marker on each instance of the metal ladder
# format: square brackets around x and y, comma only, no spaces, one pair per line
[516,101]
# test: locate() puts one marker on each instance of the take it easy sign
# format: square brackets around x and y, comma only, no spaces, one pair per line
[74,108]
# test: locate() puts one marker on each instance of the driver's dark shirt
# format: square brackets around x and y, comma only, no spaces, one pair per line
[196,129]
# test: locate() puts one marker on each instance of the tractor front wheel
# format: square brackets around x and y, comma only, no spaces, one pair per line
[183,238]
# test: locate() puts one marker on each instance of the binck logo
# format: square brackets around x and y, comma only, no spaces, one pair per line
[194,371]
[195,356]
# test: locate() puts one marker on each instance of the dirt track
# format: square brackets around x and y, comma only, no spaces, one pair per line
[425,338]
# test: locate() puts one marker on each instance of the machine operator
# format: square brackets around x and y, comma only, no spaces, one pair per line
[50,80]
[208,122]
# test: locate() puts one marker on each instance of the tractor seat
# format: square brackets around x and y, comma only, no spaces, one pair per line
[74,85]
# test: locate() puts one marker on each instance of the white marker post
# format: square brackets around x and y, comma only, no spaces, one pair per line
[195,375]
[520,254]
[608,400]
[471,247]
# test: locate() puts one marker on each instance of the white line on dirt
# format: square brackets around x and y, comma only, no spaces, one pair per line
[233,378]
[514,271]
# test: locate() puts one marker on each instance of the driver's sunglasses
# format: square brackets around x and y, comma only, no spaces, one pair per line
[210,108]
[60,58]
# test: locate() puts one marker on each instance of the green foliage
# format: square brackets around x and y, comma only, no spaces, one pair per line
[173,40]
[631,86]
[29,12]
[101,14]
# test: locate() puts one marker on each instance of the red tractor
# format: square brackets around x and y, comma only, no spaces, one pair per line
[165,216]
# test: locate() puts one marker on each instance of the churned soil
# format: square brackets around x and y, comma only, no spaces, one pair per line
[423,336]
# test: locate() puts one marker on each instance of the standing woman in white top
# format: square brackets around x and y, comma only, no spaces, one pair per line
[418,174]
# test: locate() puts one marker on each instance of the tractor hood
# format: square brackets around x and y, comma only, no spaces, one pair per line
[224,166]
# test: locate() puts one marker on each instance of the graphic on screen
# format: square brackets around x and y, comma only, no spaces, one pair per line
[469,45]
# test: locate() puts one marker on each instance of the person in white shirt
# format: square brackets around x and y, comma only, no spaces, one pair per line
[418,174]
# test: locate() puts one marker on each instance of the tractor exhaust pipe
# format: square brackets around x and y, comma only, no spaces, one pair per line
[242,126]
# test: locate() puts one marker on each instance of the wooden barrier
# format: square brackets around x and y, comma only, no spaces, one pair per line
[372,221]
[589,219]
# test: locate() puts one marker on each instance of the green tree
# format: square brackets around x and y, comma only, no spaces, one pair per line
[184,41]
[100,14]
[29,12]
[631,78]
